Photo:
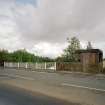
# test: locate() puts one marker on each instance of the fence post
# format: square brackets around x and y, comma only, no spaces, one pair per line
[18,65]
[4,64]
[55,66]
[45,66]
[36,65]
[26,65]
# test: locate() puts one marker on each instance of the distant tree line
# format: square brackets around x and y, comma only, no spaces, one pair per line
[22,56]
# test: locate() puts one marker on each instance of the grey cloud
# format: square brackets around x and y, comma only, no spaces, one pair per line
[55,20]
[88,13]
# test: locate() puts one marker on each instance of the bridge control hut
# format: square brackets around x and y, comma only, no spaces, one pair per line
[91,59]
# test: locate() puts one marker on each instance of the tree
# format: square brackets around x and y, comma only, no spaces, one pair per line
[89,46]
[21,56]
[3,55]
[69,52]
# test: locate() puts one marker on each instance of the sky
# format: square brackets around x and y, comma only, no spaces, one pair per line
[42,26]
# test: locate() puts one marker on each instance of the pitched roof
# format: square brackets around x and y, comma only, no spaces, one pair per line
[89,51]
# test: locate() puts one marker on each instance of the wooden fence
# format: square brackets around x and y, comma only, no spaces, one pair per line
[69,66]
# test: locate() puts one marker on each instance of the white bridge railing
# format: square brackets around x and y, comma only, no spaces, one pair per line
[37,65]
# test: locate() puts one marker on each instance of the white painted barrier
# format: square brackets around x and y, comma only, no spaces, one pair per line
[26,65]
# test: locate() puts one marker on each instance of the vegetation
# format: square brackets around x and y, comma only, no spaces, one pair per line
[69,54]
[21,56]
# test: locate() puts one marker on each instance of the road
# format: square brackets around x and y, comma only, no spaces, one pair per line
[75,88]
[90,81]
[11,96]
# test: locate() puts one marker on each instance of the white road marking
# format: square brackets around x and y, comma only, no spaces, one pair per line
[28,78]
[84,87]
[63,84]
[17,76]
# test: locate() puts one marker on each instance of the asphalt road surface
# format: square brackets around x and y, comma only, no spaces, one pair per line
[88,81]
[11,96]
[77,88]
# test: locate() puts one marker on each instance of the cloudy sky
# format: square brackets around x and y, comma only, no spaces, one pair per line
[42,26]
